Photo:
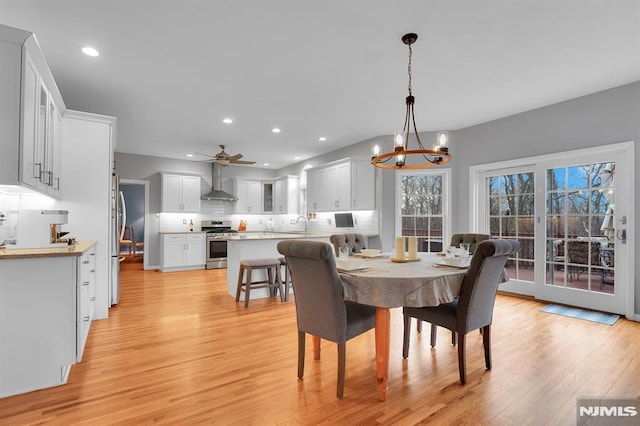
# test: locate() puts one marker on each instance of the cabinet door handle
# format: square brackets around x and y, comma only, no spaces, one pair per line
[57,185]
[92,299]
[87,318]
[85,283]
[39,174]
[85,262]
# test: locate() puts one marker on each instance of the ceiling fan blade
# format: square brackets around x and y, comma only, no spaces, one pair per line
[206,155]
[235,157]
[242,162]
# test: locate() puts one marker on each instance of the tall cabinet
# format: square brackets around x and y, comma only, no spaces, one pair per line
[87,156]
[31,108]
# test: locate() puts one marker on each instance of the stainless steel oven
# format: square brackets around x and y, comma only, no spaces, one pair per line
[217,233]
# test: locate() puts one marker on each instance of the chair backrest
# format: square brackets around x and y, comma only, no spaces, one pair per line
[355,242]
[480,283]
[472,239]
[320,305]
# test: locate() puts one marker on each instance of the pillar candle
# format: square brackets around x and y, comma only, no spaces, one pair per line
[399,248]
[413,247]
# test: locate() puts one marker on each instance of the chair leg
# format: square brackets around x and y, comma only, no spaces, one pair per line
[342,349]
[434,334]
[419,327]
[247,288]
[405,339]
[462,365]
[453,338]
[486,342]
[281,288]
[239,288]
[301,347]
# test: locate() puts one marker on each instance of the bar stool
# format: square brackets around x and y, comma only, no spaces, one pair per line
[248,265]
[286,284]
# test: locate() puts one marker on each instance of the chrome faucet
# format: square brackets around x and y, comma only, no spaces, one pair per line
[305,222]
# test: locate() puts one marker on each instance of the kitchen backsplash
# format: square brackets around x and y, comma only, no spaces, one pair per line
[366,222]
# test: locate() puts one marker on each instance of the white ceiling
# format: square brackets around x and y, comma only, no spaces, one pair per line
[170,70]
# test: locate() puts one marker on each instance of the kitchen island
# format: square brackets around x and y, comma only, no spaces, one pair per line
[259,245]
[47,300]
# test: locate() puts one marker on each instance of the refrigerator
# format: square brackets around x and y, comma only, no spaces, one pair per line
[118,219]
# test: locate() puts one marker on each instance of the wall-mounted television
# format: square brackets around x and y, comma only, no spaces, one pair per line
[344,220]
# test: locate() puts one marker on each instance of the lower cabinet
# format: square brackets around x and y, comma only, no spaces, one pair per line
[183,251]
[46,307]
[86,286]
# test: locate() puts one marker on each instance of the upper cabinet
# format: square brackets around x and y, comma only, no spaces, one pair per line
[249,193]
[363,186]
[286,195]
[180,193]
[31,108]
[342,185]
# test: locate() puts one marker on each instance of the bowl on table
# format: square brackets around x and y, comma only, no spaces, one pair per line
[458,262]
[370,252]
[348,264]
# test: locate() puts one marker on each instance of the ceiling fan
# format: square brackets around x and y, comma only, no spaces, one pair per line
[225,159]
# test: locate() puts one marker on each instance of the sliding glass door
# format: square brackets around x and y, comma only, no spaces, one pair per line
[569,212]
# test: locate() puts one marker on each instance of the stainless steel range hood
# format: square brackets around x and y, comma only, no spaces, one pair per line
[216,192]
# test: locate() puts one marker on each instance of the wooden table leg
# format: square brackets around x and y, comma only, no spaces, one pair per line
[316,347]
[383,324]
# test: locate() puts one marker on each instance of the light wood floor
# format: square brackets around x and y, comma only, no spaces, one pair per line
[178,350]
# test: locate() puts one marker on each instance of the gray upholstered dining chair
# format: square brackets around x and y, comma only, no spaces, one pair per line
[355,242]
[320,306]
[472,239]
[473,309]
[456,239]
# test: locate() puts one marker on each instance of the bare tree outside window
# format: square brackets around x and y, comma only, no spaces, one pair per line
[422,209]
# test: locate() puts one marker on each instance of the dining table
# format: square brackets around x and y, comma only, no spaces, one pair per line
[386,282]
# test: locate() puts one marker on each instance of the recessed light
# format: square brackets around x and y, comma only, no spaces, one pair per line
[227,121]
[296,158]
[322,139]
[90,51]
[265,164]
[275,130]
[189,155]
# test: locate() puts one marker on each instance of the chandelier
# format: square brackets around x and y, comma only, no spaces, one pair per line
[425,157]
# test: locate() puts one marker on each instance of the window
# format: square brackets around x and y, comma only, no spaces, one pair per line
[423,206]
[511,215]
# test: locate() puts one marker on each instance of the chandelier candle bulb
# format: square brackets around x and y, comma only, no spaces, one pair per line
[413,248]
[399,247]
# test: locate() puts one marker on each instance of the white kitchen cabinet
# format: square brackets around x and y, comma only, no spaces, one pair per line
[31,107]
[329,187]
[183,251]
[180,193]
[86,294]
[286,195]
[86,189]
[363,186]
[342,185]
[45,315]
[268,195]
[249,194]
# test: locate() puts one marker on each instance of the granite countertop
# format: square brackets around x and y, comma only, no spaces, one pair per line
[73,250]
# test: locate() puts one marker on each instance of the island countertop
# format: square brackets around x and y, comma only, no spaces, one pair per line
[73,250]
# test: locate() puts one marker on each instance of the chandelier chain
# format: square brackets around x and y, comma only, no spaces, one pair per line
[409,70]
